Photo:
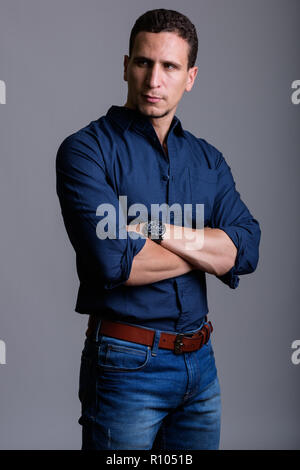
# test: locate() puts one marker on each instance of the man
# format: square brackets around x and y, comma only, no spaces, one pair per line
[148,378]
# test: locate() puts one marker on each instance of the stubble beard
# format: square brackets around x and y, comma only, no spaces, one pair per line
[154,115]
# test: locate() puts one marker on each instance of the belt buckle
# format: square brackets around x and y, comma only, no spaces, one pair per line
[178,343]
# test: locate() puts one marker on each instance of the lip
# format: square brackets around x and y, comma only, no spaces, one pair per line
[152,99]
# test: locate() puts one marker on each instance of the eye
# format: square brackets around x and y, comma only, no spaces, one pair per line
[142,62]
[169,66]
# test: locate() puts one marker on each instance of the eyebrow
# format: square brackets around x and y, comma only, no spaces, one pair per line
[171,62]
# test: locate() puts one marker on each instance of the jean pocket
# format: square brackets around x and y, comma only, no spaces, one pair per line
[120,355]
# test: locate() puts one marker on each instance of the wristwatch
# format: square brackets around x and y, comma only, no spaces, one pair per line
[154,230]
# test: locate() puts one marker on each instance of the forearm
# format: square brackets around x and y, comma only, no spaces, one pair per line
[155,263]
[209,249]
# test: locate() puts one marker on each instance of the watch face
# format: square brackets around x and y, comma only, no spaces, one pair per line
[156,229]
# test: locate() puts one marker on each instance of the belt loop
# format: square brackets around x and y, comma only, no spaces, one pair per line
[97,330]
[155,342]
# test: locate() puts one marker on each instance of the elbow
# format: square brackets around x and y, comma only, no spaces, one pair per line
[249,258]
[245,263]
[253,249]
[252,264]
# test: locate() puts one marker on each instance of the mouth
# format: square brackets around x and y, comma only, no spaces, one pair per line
[152,99]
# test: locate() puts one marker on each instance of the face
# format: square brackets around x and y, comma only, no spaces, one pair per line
[157,73]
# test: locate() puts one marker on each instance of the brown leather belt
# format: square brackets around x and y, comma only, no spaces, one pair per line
[177,342]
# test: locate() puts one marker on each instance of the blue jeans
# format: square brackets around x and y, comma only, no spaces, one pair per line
[137,397]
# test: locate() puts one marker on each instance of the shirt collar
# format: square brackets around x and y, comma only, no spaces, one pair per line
[126,117]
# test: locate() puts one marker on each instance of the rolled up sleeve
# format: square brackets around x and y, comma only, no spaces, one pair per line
[82,185]
[231,215]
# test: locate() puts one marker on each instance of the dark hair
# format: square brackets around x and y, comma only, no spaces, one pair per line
[156,21]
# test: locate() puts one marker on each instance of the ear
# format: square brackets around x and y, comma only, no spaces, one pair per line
[192,72]
[125,63]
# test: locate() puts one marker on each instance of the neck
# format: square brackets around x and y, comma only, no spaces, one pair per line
[161,125]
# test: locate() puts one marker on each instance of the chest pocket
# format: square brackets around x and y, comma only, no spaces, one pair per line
[203,183]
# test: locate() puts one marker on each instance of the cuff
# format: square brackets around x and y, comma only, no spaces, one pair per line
[133,247]
[231,278]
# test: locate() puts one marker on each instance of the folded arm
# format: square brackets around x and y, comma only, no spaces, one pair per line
[208,249]
[155,263]
[229,247]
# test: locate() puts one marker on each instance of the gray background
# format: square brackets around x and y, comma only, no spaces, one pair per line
[62,61]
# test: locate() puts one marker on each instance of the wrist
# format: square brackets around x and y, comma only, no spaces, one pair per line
[154,230]
[168,233]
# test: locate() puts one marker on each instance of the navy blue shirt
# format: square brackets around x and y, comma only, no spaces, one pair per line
[120,155]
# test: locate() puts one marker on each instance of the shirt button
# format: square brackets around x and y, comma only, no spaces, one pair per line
[165,177]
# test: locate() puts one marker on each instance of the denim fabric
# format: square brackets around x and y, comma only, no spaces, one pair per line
[137,397]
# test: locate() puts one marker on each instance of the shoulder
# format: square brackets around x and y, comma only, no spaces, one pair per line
[91,134]
[87,142]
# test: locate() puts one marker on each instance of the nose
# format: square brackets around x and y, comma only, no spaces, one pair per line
[153,76]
